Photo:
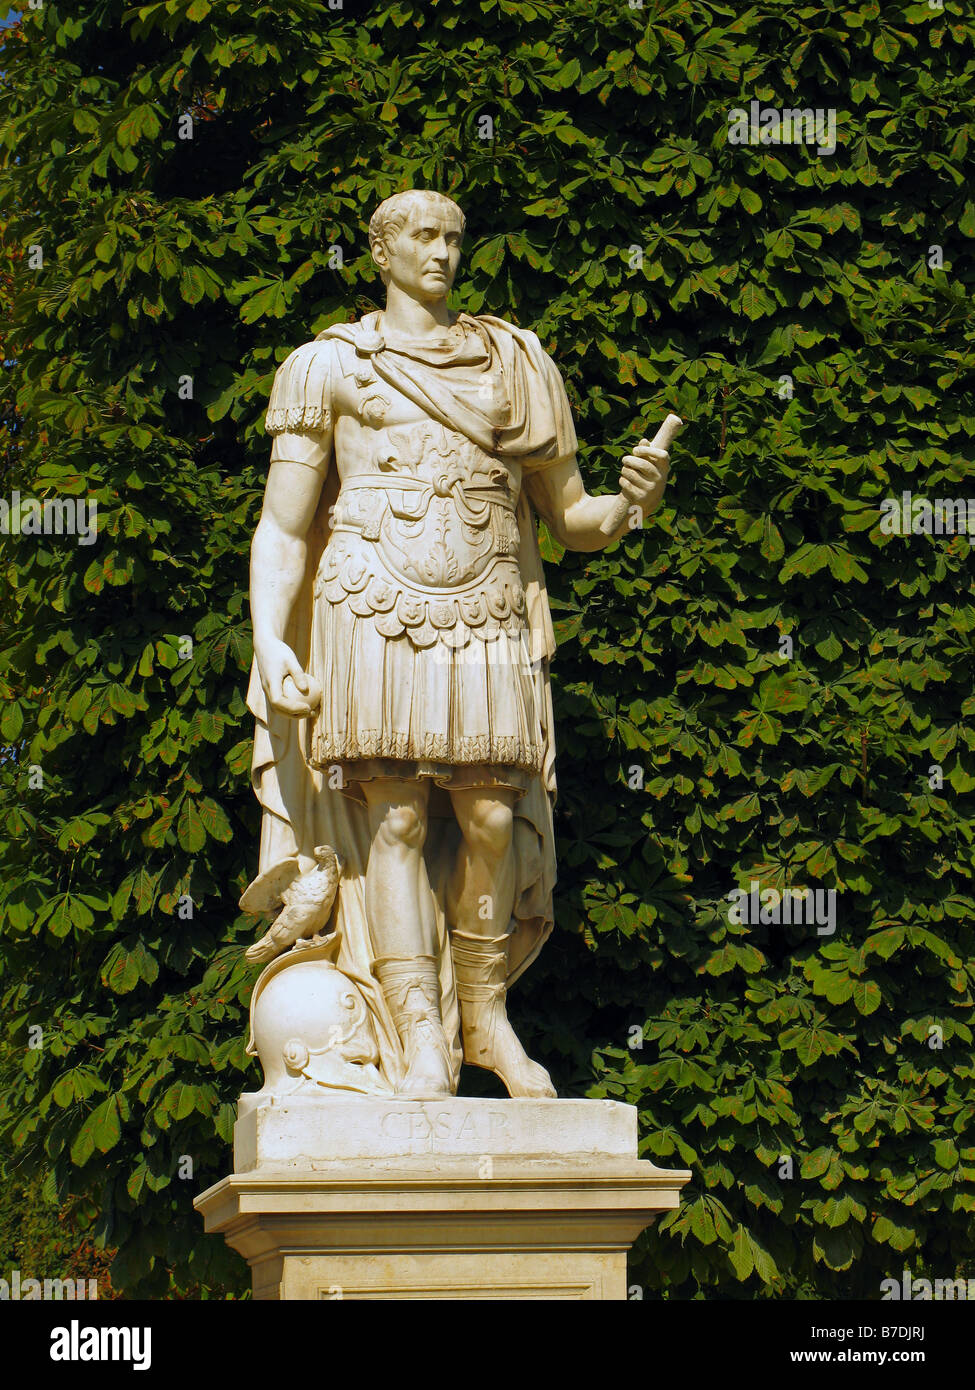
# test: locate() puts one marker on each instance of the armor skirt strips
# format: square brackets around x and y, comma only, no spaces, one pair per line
[464,716]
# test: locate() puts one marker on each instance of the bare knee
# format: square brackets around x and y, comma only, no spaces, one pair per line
[402,826]
[488,830]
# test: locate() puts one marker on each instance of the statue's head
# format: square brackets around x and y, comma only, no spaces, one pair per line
[415,238]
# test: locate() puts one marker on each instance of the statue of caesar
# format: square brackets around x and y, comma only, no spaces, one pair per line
[402,641]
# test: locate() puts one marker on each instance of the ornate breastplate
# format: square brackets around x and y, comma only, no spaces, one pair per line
[427,542]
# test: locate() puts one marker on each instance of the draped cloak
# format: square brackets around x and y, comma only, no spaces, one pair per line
[493,383]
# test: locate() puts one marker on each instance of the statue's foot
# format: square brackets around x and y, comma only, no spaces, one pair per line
[494,1046]
[428,1075]
[412,989]
[481,968]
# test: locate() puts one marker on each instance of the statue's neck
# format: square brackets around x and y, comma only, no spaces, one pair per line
[414,320]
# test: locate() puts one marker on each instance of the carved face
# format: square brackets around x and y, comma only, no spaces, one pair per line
[422,258]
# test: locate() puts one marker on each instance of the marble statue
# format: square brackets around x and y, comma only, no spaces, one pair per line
[404,752]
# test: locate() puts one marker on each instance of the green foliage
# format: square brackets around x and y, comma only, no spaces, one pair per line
[167,258]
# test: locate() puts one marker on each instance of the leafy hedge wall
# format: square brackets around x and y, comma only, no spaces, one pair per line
[790,306]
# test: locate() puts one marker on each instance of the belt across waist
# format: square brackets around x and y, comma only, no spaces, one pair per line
[472,500]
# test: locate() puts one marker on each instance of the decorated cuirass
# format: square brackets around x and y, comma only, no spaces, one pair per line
[427,543]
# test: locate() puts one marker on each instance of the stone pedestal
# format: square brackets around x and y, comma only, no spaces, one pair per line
[458,1198]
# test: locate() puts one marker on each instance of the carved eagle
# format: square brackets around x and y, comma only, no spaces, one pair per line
[306,905]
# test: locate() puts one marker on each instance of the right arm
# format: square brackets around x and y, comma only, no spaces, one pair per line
[299,464]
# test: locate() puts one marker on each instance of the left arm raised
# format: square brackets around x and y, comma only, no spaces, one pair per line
[558,494]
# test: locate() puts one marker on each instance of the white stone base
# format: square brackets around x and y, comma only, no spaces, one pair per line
[312,1132]
[461,1198]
